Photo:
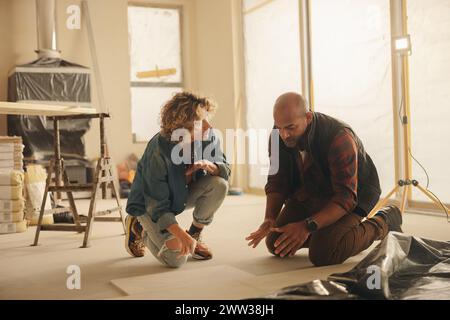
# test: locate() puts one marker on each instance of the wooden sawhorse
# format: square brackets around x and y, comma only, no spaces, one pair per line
[103,177]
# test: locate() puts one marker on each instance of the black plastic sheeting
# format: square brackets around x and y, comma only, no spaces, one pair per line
[55,84]
[401,267]
[314,290]
[58,84]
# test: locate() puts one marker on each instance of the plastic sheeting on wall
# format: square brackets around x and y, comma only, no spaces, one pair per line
[429,66]
[272,63]
[351,65]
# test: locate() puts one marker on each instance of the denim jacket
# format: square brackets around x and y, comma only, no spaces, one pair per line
[159,186]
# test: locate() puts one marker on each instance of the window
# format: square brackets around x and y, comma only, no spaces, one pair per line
[156,65]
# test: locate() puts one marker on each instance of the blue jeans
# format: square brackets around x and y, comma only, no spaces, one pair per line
[205,196]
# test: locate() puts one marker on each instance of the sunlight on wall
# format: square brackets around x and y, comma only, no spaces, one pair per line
[272,57]
[429,26]
[351,56]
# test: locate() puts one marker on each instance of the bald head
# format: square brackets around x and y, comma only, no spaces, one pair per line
[291,117]
[290,103]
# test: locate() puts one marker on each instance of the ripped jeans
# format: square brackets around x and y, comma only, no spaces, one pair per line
[205,196]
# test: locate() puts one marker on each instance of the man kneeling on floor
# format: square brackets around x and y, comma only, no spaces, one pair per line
[182,167]
[327,183]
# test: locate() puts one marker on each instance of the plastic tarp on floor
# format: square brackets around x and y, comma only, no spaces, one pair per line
[401,267]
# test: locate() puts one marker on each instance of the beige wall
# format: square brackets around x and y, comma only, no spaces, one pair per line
[16,42]
[220,69]
[110,26]
[210,50]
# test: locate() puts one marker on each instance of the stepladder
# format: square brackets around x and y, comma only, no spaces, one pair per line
[58,182]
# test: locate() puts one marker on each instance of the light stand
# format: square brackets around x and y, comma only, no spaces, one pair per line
[402,49]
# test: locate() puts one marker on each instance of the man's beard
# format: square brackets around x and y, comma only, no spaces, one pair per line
[291,143]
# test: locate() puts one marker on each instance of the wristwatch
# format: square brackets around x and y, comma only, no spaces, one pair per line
[311,224]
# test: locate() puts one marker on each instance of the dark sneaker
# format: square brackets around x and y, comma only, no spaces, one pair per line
[67,217]
[393,217]
[201,251]
[133,239]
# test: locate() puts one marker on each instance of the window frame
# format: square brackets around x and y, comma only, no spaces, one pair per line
[144,84]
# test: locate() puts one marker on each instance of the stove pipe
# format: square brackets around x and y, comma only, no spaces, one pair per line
[46,29]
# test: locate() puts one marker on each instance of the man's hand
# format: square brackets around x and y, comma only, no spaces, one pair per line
[206,165]
[255,237]
[292,238]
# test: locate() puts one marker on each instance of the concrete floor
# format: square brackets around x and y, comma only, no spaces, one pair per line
[236,271]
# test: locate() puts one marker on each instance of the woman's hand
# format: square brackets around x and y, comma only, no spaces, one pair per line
[206,165]
[186,242]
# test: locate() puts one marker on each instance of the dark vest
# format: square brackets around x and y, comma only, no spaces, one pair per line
[323,129]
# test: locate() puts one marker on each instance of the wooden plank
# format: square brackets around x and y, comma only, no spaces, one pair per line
[11,139]
[107,212]
[183,281]
[57,210]
[74,188]
[271,283]
[37,109]
[212,290]
[92,206]
[105,179]
[107,219]
[41,213]
[62,227]
[82,116]
[157,73]
[258,6]
[93,51]
[106,167]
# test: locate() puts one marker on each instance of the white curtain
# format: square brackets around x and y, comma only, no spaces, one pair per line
[351,64]
[272,65]
[429,27]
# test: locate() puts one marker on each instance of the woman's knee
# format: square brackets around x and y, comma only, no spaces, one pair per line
[220,185]
[171,259]
[170,255]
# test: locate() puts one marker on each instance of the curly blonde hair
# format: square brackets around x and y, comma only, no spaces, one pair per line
[182,110]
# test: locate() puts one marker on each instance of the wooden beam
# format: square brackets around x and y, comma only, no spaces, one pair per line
[63,227]
[81,116]
[157,73]
[108,219]
[258,6]
[73,188]
[37,109]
